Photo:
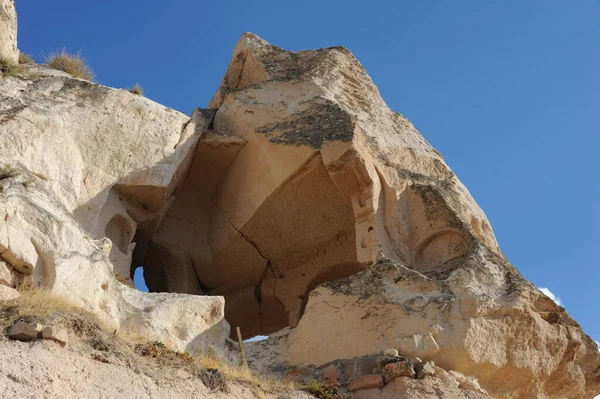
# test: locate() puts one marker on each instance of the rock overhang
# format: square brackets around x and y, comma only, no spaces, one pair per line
[325,168]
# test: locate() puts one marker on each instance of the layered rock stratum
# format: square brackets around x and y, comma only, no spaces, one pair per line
[297,205]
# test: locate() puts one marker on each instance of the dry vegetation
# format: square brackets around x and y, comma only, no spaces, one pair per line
[322,390]
[25,59]
[137,89]
[88,335]
[73,64]
[9,68]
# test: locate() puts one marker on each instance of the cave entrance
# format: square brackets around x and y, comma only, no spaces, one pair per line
[262,253]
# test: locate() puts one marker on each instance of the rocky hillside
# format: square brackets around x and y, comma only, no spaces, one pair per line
[296,205]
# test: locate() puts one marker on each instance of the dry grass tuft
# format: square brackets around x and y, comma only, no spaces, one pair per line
[245,376]
[322,390]
[9,68]
[73,64]
[137,89]
[37,305]
[25,59]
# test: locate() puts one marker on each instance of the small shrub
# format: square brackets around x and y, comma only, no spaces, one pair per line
[7,67]
[213,379]
[322,390]
[137,89]
[25,59]
[73,64]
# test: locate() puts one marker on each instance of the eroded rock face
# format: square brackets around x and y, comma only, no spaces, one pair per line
[325,182]
[8,31]
[110,157]
[45,246]
[483,320]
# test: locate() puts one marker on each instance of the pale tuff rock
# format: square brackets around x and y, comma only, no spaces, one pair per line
[8,31]
[429,388]
[7,293]
[331,182]
[110,157]
[55,334]
[323,180]
[41,239]
[424,369]
[487,335]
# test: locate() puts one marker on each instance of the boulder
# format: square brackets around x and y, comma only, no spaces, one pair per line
[394,370]
[40,238]
[7,293]
[55,334]
[8,31]
[23,331]
[424,369]
[8,277]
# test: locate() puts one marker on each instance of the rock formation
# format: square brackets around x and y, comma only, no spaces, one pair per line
[8,31]
[330,186]
[42,244]
[297,203]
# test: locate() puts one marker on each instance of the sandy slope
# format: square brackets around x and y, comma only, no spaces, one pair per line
[43,369]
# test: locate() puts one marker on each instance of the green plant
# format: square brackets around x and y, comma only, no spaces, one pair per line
[137,89]
[25,59]
[7,67]
[73,64]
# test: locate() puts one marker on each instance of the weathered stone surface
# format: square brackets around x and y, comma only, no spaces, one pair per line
[494,327]
[39,237]
[430,388]
[331,182]
[366,382]
[390,352]
[466,382]
[397,369]
[23,331]
[328,180]
[7,276]
[331,374]
[424,369]
[7,293]
[55,334]
[110,157]
[8,31]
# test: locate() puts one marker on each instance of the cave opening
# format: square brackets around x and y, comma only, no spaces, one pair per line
[262,253]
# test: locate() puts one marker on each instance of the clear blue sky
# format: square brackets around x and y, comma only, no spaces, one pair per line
[507,91]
